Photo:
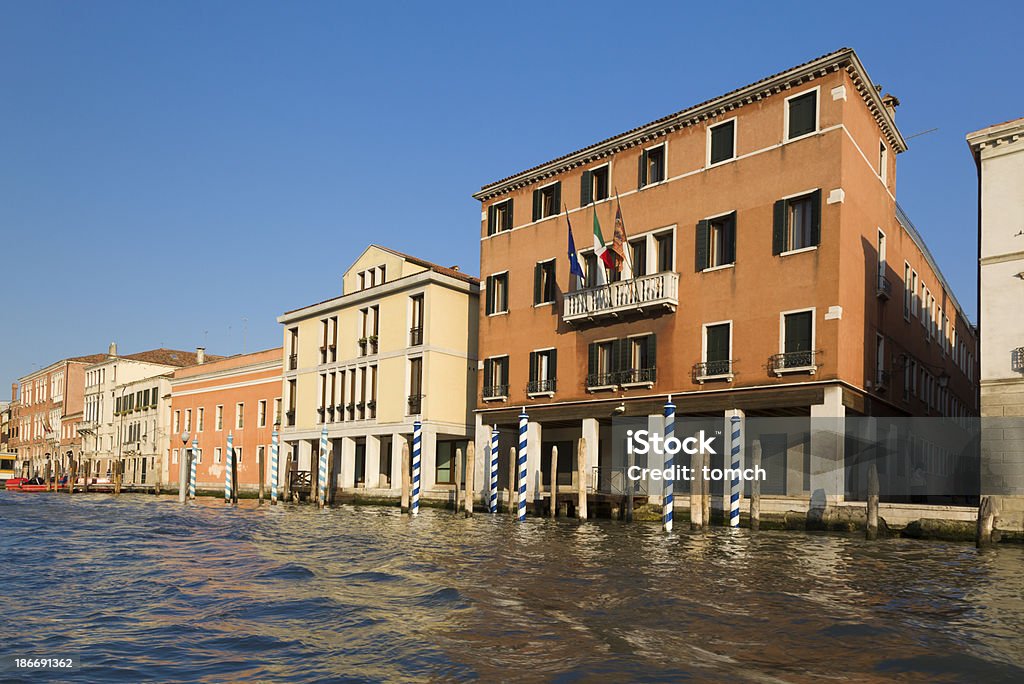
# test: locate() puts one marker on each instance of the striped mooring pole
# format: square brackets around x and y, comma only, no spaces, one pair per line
[417,439]
[275,448]
[494,470]
[734,498]
[667,498]
[321,479]
[523,422]
[228,484]
[192,474]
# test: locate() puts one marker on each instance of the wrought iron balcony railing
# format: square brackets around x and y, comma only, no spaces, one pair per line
[541,386]
[794,362]
[639,295]
[884,288]
[495,391]
[712,370]
[415,404]
[631,376]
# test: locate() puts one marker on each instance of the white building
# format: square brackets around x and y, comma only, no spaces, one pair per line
[999,153]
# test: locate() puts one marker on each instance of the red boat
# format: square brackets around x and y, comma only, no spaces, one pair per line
[24,484]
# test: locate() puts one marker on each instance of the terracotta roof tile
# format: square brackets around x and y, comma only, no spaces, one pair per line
[168,357]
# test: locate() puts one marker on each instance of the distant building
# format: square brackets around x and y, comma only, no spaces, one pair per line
[768,272]
[238,396]
[397,345]
[999,154]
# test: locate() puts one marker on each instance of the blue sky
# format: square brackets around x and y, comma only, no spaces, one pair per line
[158,160]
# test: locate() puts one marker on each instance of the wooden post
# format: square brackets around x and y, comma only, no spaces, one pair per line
[117,477]
[406,477]
[234,476]
[872,527]
[629,485]
[329,487]
[86,472]
[696,493]
[512,489]
[287,489]
[553,504]
[986,521]
[72,474]
[755,486]
[470,464]
[261,463]
[581,479]
[46,473]
[705,490]
[457,478]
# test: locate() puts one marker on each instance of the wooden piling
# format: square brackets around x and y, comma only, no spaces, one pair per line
[512,489]
[261,464]
[553,504]
[470,465]
[755,486]
[705,490]
[234,476]
[72,474]
[629,485]
[986,522]
[329,487]
[117,477]
[457,478]
[47,471]
[406,477]
[696,493]
[287,488]
[581,479]
[872,526]
[86,472]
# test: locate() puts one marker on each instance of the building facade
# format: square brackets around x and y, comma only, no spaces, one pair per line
[766,271]
[397,345]
[237,397]
[999,155]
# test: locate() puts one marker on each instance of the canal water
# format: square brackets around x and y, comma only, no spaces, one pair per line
[144,589]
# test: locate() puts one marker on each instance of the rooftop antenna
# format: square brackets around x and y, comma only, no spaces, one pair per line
[245,329]
[918,135]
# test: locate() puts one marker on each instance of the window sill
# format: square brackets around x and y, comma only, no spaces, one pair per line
[602,388]
[538,395]
[654,184]
[637,385]
[719,268]
[497,313]
[798,251]
[504,398]
[788,140]
[810,370]
[725,377]
[712,165]
[542,304]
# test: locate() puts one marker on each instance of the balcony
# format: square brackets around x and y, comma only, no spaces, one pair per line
[883,289]
[632,377]
[541,387]
[293,361]
[794,362]
[712,370]
[415,404]
[640,295]
[495,392]
[289,418]
[415,336]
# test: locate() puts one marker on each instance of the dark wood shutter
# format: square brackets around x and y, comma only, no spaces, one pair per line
[508,215]
[652,351]
[730,239]
[592,361]
[620,353]
[504,294]
[556,203]
[488,370]
[642,170]
[779,228]
[717,343]
[537,283]
[701,244]
[798,332]
[586,188]
[552,364]
[816,217]
[491,228]
[488,296]
[533,367]
[536,204]
[504,371]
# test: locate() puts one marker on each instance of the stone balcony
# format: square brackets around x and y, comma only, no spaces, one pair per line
[640,295]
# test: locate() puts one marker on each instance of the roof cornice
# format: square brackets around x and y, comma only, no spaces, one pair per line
[845,59]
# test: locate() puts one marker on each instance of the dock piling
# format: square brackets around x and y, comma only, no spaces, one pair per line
[696,492]
[581,479]
[261,465]
[274,457]
[118,469]
[406,482]
[72,475]
[470,465]
[872,526]
[234,477]
[755,486]
[457,478]
[229,470]
[493,490]
[553,504]
[986,522]
[511,481]
[668,493]
[417,441]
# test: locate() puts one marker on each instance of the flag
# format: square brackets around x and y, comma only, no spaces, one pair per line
[600,250]
[575,269]
[619,244]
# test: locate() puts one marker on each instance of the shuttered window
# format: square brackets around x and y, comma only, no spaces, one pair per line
[651,168]
[717,342]
[547,200]
[497,294]
[499,217]
[716,242]
[544,282]
[594,185]
[797,334]
[797,223]
[543,371]
[623,361]
[723,142]
[803,114]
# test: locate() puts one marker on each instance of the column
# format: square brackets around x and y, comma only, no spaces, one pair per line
[372,462]
[304,457]
[428,459]
[397,440]
[828,422]
[481,436]
[347,466]
[655,489]
[533,461]
[591,431]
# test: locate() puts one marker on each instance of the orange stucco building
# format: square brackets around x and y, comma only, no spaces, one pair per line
[238,396]
[767,271]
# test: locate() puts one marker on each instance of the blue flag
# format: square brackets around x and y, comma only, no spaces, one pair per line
[574,260]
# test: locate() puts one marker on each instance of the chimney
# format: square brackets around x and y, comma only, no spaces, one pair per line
[112,349]
[891,102]
[14,392]
[455,268]
[200,355]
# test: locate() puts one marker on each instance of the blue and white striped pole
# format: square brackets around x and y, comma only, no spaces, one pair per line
[192,474]
[417,440]
[322,478]
[494,469]
[228,484]
[734,499]
[274,451]
[667,497]
[523,422]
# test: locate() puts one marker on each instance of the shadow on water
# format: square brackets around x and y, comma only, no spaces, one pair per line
[143,589]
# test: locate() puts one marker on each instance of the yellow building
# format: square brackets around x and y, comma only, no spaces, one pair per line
[398,345]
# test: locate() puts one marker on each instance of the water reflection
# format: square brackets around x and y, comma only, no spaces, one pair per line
[145,589]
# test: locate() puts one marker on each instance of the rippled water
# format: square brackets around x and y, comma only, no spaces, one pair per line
[144,589]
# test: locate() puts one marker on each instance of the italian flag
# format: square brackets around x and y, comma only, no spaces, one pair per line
[605,254]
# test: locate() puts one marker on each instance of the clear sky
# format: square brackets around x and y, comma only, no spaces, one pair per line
[179,173]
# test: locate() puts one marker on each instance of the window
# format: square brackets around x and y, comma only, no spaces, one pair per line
[217,455]
[716,242]
[261,413]
[237,451]
[641,360]
[239,416]
[177,416]
[188,420]
[546,201]
[883,160]
[543,371]
[198,455]
[174,456]
[415,385]
[445,450]
[594,185]
[916,303]
[908,291]
[802,114]
[881,375]
[717,350]
[625,361]
[495,378]
[416,320]
[798,339]
[652,165]
[797,223]
[497,293]
[499,217]
[663,243]
[593,276]
[722,142]
[544,282]
[638,257]
[219,418]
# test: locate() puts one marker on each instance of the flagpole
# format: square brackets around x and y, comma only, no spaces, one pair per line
[625,250]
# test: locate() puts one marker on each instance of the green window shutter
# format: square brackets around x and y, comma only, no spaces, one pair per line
[652,351]
[642,170]
[504,295]
[487,295]
[552,364]
[730,239]
[586,187]
[558,198]
[537,278]
[491,228]
[816,217]
[798,332]
[536,205]
[592,363]
[779,228]
[701,251]
[533,367]
[504,371]
[508,216]
[620,350]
